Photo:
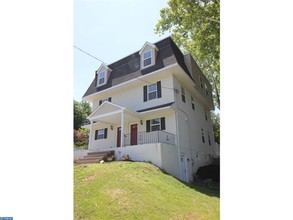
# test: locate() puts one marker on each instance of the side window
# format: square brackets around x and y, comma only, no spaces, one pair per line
[192,103]
[202,136]
[201,83]
[183,94]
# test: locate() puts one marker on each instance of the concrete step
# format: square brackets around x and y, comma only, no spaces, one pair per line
[94,157]
[81,161]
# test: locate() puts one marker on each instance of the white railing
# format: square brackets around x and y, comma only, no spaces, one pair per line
[150,137]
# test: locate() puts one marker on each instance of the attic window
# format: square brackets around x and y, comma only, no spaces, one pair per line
[101,78]
[147,58]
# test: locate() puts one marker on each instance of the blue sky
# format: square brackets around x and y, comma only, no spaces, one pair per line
[110,30]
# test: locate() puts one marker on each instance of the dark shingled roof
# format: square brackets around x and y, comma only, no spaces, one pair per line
[129,67]
[156,107]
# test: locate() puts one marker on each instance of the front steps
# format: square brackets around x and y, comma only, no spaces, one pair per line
[94,157]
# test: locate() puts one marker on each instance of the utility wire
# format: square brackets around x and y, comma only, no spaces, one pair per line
[89,54]
[152,83]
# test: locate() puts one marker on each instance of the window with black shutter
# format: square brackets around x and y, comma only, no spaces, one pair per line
[156,124]
[101,134]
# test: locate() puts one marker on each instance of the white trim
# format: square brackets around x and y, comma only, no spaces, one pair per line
[143,59]
[103,65]
[154,110]
[107,114]
[133,80]
[100,106]
[150,44]
[98,78]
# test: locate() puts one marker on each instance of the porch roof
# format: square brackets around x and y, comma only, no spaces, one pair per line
[110,113]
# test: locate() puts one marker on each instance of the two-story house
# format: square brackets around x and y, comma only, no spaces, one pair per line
[153,105]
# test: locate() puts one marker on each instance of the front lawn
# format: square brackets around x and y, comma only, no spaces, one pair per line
[136,190]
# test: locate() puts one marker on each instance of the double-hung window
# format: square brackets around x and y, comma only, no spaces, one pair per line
[101,134]
[155,124]
[101,78]
[201,82]
[183,94]
[152,91]
[202,136]
[147,58]
[192,103]
[206,88]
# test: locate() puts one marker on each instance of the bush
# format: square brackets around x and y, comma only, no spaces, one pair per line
[126,158]
[209,172]
[80,137]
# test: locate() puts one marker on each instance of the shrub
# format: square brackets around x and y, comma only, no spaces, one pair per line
[209,172]
[126,158]
[80,137]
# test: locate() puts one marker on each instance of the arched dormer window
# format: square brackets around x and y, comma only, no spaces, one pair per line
[148,55]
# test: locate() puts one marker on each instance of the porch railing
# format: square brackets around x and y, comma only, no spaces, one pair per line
[150,137]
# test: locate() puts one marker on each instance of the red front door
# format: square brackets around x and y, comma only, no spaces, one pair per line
[133,135]
[119,137]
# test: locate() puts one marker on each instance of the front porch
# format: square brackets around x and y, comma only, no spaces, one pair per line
[113,126]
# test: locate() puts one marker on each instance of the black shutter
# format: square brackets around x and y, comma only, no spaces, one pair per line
[96,134]
[105,133]
[109,99]
[159,89]
[163,125]
[145,93]
[100,102]
[148,126]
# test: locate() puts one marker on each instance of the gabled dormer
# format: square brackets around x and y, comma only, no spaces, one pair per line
[102,75]
[148,54]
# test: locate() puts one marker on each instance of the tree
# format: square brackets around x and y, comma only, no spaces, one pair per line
[195,27]
[81,111]
[216,126]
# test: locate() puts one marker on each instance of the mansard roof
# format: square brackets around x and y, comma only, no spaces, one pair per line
[129,67]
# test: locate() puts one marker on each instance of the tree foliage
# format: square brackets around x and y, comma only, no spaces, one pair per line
[81,111]
[216,126]
[195,27]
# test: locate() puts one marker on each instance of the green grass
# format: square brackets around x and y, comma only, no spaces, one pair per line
[136,190]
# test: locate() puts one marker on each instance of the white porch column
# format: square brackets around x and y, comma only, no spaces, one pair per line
[90,136]
[122,128]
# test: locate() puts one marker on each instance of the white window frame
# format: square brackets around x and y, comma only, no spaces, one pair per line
[192,103]
[99,78]
[101,132]
[156,91]
[183,95]
[144,59]
[202,136]
[155,124]
[206,88]
[201,82]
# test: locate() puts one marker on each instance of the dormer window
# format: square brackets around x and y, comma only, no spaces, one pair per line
[102,75]
[101,78]
[147,58]
[148,54]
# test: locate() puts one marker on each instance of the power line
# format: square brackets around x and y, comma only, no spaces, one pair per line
[89,54]
[152,83]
